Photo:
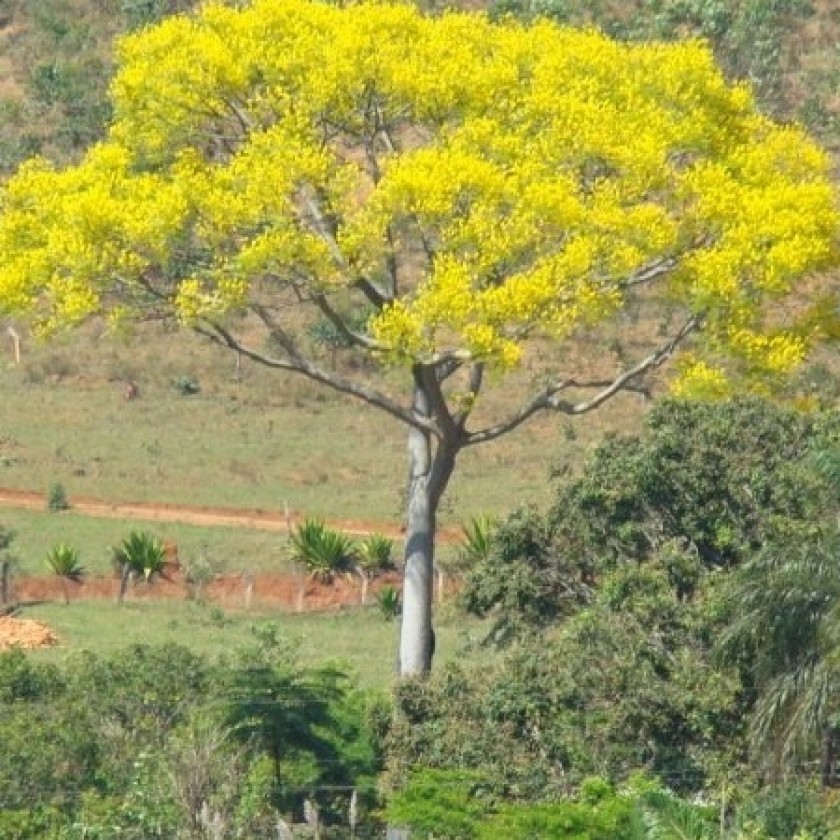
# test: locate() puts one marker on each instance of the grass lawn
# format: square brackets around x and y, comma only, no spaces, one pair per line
[360,639]
[225,549]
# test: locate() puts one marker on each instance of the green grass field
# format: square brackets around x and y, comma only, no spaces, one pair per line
[359,639]
[224,549]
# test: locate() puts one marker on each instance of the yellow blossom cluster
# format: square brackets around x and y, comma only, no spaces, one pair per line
[496,180]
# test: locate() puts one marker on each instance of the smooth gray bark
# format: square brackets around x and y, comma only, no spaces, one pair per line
[430,467]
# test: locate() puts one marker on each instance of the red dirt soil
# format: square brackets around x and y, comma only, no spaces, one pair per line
[290,592]
[237,592]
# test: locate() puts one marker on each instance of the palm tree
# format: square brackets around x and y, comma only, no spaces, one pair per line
[63,561]
[785,635]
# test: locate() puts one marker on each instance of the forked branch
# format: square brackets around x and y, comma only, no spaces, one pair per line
[550,399]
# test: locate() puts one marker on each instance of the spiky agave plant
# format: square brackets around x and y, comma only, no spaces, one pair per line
[479,534]
[140,553]
[376,554]
[321,550]
[63,561]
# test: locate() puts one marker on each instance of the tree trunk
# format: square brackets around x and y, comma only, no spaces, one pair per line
[429,473]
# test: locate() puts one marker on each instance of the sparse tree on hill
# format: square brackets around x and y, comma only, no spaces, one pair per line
[491,193]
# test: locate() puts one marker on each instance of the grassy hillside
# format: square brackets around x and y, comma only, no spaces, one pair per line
[253,438]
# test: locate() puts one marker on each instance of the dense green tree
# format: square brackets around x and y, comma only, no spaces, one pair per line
[626,682]
[721,478]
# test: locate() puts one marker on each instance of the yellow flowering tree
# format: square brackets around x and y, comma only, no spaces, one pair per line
[489,192]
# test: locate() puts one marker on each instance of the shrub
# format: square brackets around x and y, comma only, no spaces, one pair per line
[389,602]
[479,533]
[63,561]
[186,386]
[140,553]
[375,554]
[323,551]
[57,500]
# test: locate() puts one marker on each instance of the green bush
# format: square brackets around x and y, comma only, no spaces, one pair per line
[141,553]
[375,554]
[57,500]
[63,561]
[321,550]
[389,602]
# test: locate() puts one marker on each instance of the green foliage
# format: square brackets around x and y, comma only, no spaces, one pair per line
[389,602]
[309,721]
[713,481]
[141,553]
[24,681]
[321,550]
[440,805]
[793,809]
[784,629]
[186,386]
[527,581]
[375,554]
[63,561]
[152,742]
[57,500]
[612,820]
[627,682]
[478,540]
[50,754]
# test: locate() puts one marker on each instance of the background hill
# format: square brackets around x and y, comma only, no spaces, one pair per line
[208,429]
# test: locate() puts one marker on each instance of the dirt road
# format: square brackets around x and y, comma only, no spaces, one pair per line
[258,518]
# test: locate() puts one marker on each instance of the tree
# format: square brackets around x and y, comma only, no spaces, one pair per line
[703,488]
[492,192]
[784,608]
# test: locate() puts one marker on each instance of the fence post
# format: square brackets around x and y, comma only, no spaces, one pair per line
[4,581]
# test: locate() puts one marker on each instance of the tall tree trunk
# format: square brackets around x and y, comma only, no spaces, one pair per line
[429,473]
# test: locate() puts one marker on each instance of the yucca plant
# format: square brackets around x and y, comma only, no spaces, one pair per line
[375,554]
[479,534]
[63,561]
[389,601]
[323,551]
[140,553]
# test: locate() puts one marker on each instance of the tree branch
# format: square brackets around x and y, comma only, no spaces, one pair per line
[296,363]
[326,231]
[355,338]
[475,382]
[549,398]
